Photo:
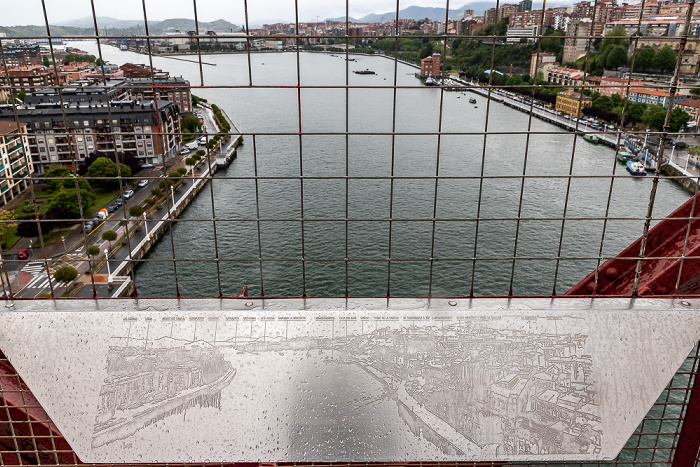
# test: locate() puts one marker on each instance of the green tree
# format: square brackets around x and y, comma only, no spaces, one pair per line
[155,191]
[71,58]
[426,51]
[617,57]
[643,59]
[45,61]
[93,251]
[190,123]
[616,100]
[136,211]
[109,236]
[664,59]
[6,218]
[679,119]
[552,42]
[655,117]
[105,171]
[65,275]
[636,110]
[695,92]
[615,38]
[603,102]
[55,171]
[68,198]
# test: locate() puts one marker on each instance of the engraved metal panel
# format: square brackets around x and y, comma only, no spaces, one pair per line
[362,380]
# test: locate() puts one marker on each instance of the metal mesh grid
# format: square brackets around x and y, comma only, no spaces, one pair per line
[27,436]
[434,267]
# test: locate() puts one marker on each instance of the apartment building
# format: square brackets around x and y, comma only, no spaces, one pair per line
[565,76]
[653,97]
[609,86]
[527,19]
[29,79]
[16,166]
[543,62]
[430,66]
[21,56]
[572,103]
[147,130]
[577,40]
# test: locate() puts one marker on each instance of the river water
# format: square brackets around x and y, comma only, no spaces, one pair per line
[369,200]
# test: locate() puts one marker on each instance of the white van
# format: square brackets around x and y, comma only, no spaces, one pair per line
[192,146]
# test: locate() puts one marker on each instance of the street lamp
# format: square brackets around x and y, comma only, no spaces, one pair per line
[145,223]
[172,192]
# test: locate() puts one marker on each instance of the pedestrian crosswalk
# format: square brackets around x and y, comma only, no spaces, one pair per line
[34,267]
[39,282]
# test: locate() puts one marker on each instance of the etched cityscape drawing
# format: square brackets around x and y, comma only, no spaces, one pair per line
[469,388]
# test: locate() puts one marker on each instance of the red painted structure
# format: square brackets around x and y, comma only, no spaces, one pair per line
[668,259]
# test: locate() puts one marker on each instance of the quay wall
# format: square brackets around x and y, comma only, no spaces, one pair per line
[158,228]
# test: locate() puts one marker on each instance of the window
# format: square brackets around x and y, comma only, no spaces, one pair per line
[42,149]
[49,140]
[79,139]
[88,138]
[86,123]
[47,124]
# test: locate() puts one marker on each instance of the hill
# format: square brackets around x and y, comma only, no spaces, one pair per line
[118,27]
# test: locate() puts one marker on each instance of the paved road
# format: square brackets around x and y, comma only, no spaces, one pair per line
[30,279]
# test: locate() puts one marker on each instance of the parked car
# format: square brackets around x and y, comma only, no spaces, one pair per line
[681,145]
[184,151]
[128,194]
[23,254]
[112,208]
[89,226]
[148,166]
[142,183]
[119,201]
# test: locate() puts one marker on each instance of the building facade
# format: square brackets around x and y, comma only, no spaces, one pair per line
[430,66]
[565,76]
[539,60]
[16,166]
[21,56]
[609,86]
[29,79]
[146,130]
[572,103]
[653,97]
[577,40]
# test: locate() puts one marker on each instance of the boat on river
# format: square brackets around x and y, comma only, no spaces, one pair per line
[636,168]
[364,72]
[624,156]
[591,138]
[472,100]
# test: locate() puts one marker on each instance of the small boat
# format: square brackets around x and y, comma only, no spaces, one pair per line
[591,138]
[472,100]
[430,82]
[624,156]
[636,168]
[350,59]
[364,72]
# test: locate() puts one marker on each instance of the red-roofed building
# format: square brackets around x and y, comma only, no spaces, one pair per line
[29,79]
[692,106]
[565,76]
[652,97]
[610,86]
[430,66]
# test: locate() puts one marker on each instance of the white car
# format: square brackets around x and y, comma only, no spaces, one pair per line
[147,166]
[142,183]
[128,194]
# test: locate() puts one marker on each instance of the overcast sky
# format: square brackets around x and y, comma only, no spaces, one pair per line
[20,12]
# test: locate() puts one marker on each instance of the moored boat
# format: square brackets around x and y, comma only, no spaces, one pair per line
[636,168]
[364,72]
[591,138]
[472,100]
[624,156]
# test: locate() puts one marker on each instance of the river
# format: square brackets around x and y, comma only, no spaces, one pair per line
[269,110]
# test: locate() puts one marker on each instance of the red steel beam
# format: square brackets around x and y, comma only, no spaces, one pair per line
[666,242]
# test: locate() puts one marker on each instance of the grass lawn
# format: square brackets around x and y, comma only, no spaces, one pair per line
[103,197]
[55,236]
[10,237]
